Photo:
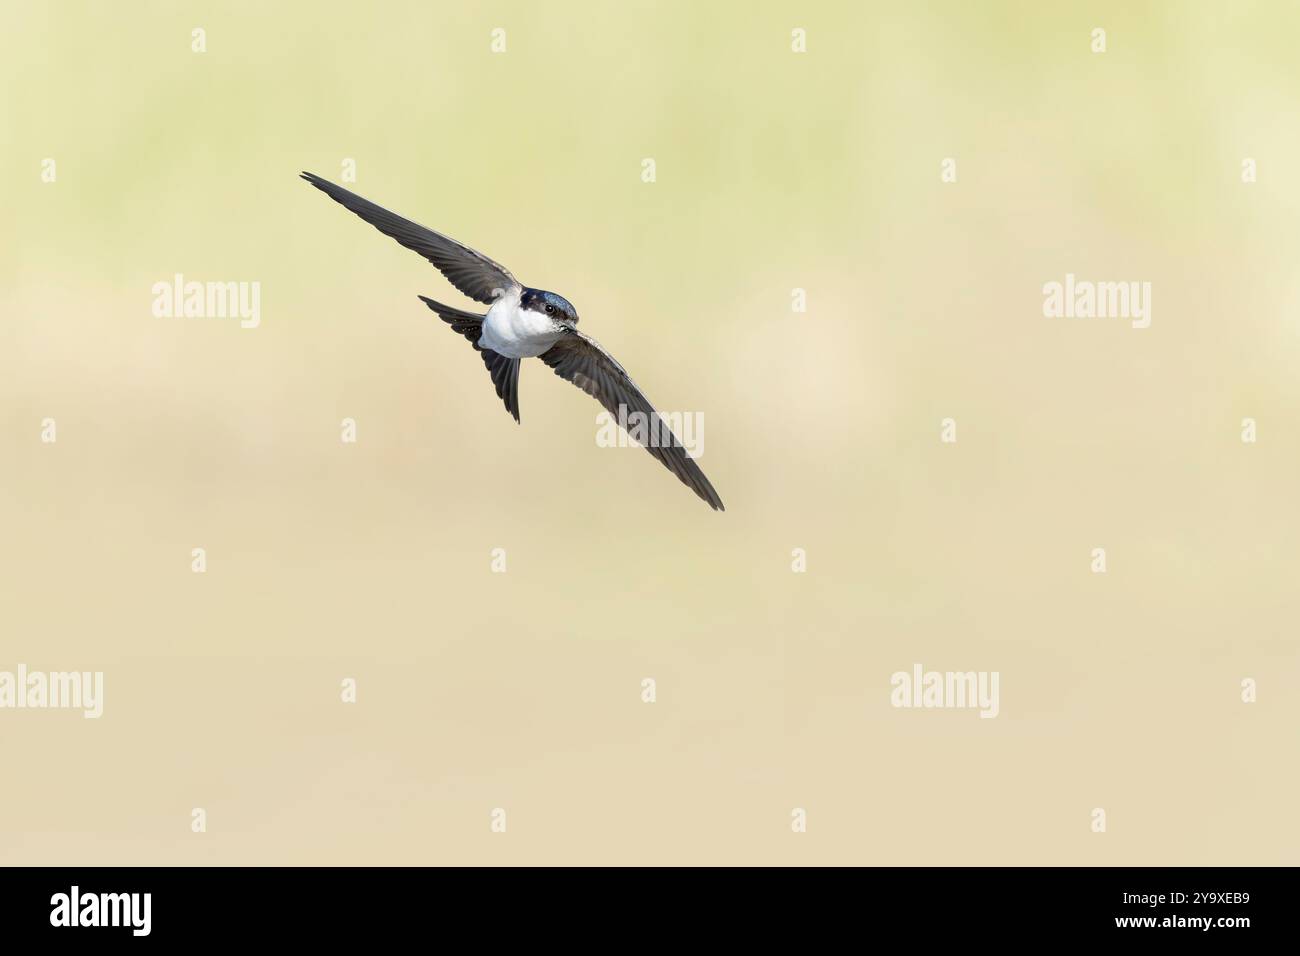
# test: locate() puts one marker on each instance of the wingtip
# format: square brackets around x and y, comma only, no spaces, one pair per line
[708,495]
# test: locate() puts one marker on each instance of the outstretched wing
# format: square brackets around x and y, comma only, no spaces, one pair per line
[580,359]
[471,272]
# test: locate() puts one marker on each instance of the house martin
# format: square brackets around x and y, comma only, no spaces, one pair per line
[521,323]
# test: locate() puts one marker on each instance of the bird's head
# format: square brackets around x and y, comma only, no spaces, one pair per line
[549,304]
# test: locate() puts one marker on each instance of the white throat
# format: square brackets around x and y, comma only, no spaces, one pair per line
[515,332]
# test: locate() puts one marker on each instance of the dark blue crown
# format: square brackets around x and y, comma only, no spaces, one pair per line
[539,300]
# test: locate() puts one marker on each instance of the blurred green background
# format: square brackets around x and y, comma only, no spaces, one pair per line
[775,171]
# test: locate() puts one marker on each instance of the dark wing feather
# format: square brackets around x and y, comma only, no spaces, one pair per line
[471,272]
[580,360]
[505,376]
[504,371]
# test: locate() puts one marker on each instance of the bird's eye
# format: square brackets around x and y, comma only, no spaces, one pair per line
[550,310]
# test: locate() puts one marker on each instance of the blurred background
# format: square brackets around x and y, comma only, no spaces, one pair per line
[522,690]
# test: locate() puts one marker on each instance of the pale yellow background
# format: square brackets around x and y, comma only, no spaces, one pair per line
[522,690]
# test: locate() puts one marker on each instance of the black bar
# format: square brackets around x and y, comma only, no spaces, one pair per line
[208,905]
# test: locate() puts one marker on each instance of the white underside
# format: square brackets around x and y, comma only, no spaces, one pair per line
[515,332]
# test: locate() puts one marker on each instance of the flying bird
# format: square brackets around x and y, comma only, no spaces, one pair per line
[521,323]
